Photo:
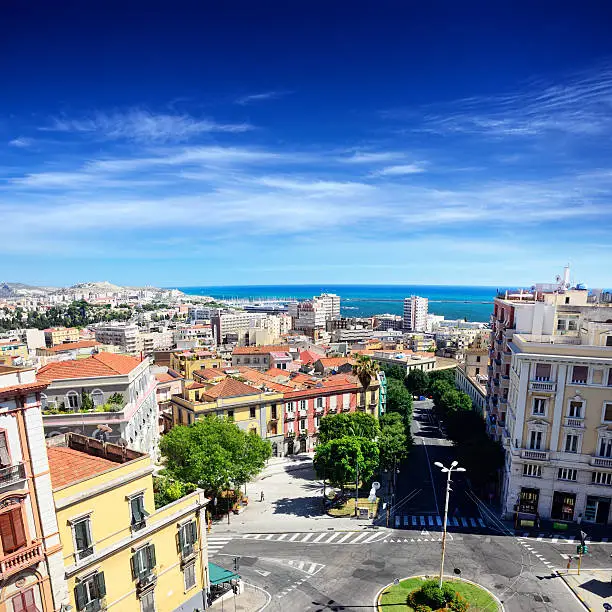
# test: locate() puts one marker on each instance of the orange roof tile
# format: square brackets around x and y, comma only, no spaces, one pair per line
[31,387]
[309,356]
[230,387]
[69,346]
[260,350]
[195,385]
[103,364]
[333,362]
[68,465]
[210,373]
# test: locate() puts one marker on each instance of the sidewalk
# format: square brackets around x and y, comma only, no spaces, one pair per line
[593,587]
[250,600]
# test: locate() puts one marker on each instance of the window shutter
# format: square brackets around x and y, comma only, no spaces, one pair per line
[100,585]
[19,530]
[181,538]
[28,598]
[135,563]
[151,555]
[5,459]
[19,605]
[6,533]
[194,531]
[80,595]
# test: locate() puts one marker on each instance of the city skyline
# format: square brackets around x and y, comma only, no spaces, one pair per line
[403,147]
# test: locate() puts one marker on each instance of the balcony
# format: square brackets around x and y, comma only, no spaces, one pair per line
[304,433]
[303,413]
[11,474]
[332,409]
[319,409]
[289,416]
[21,559]
[603,462]
[290,434]
[534,454]
[542,385]
[346,408]
[574,422]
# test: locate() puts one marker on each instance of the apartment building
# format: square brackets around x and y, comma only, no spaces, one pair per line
[187,362]
[125,335]
[471,374]
[385,322]
[122,390]
[13,352]
[329,304]
[252,409]
[308,317]
[120,551]
[262,358]
[194,336]
[404,359]
[231,328]
[550,402]
[415,313]
[68,350]
[58,335]
[31,567]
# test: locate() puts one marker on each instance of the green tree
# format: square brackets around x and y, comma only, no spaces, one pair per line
[393,443]
[337,460]
[213,454]
[447,375]
[361,424]
[438,388]
[365,369]
[417,382]
[453,401]
[166,490]
[86,402]
[399,400]
[393,371]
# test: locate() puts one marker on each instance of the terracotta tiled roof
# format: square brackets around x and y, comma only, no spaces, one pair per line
[103,364]
[27,387]
[69,346]
[195,385]
[210,373]
[68,465]
[262,379]
[230,387]
[164,377]
[260,350]
[334,362]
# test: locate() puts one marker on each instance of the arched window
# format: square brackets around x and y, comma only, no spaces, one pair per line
[73,400]
[97,397]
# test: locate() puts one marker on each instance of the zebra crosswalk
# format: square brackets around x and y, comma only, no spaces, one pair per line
[557,538]
[326,537]
[216,544]
[430,522]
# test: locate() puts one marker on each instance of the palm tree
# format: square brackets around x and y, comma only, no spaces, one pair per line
[365,368]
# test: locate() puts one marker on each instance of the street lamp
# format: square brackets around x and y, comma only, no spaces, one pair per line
[448,470]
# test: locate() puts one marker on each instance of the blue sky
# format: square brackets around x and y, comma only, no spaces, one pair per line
[259,143]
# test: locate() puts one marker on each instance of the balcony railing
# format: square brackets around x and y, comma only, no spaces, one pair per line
[319,408]
[303,412]
[289,416]
[603,462]
[534,454]
[21,559]
[12,474]
[574,422]
[538,385]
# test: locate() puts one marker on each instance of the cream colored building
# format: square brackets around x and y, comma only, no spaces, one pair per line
[59,335]
[471,375]
[555,420]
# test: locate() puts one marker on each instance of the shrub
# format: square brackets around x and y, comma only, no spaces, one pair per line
[459,604]
[422,608]
[432,594]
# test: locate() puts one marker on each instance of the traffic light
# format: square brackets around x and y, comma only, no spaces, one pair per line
[585,549]
[579,549]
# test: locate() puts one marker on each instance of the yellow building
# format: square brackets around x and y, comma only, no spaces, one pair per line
[250,408]
[120,552]
[59,335]
[187,362]
[12,351]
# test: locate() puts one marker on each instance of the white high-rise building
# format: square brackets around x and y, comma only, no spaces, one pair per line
[415,313]
[330,304]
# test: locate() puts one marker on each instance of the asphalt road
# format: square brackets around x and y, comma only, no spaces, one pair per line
[343,570]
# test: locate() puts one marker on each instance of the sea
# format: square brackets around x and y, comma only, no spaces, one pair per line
[471,303]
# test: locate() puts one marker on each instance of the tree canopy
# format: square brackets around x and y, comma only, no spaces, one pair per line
[213,454]
[417,382]
[365,369]
[360,424]
[399,400]
[393,442]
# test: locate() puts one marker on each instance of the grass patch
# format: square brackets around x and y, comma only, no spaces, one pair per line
[393,598]
[348,507]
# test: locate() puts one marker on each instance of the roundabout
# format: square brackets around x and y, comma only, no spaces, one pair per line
[421,594]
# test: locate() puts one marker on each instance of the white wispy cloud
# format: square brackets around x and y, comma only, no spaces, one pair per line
[371,157]
[400,170]
[260,97]
[143,126]
[21,142]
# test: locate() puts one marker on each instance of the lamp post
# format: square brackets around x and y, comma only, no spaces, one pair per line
[448,470]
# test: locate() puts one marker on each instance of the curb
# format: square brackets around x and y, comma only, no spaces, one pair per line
[569,586]
[380,592]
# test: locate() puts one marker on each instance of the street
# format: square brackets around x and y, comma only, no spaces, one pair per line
[310,562]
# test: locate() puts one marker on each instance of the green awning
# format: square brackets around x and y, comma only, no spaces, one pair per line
[219,575]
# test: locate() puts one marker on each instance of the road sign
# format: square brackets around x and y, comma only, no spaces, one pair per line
[376,485]
[607,606]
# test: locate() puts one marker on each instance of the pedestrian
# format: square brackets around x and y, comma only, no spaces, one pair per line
[261,498]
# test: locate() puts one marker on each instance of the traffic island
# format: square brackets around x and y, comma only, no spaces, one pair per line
[421,594]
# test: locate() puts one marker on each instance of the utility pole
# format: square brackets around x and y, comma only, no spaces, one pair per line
[448,471]
[357,486]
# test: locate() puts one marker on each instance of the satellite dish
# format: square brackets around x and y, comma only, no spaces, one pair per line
[376,485]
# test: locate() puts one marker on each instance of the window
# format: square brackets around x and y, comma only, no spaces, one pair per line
[542,372]
[571,443]
[601,478]
[580,374]
[608,340]
[230,414]
[572,325]
[333,401]
[575,410]
[302,404]
[567,474]
[143,562]
[138,512]
[252,412]
[290,406]
[610,377]
[362,399]
[5,456]
[89,591]
[290,428]
[12,530]
[24,602]
[188,536]
[72,399]
[97,397]
[147,602]
[477,371]
[273,412]
[532,470]
[539,405]
[607,412]
[319,402]
[567,300]
[535,440]
[605,447]
[317,422]
[189,576]
[303,425]
[83,544]
[561,325]
[477,358]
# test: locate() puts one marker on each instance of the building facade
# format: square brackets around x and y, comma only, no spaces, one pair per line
[415,313]
[59,335]
[120,551]
[31,568]
[122,391]
[125,335]
[262,358]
